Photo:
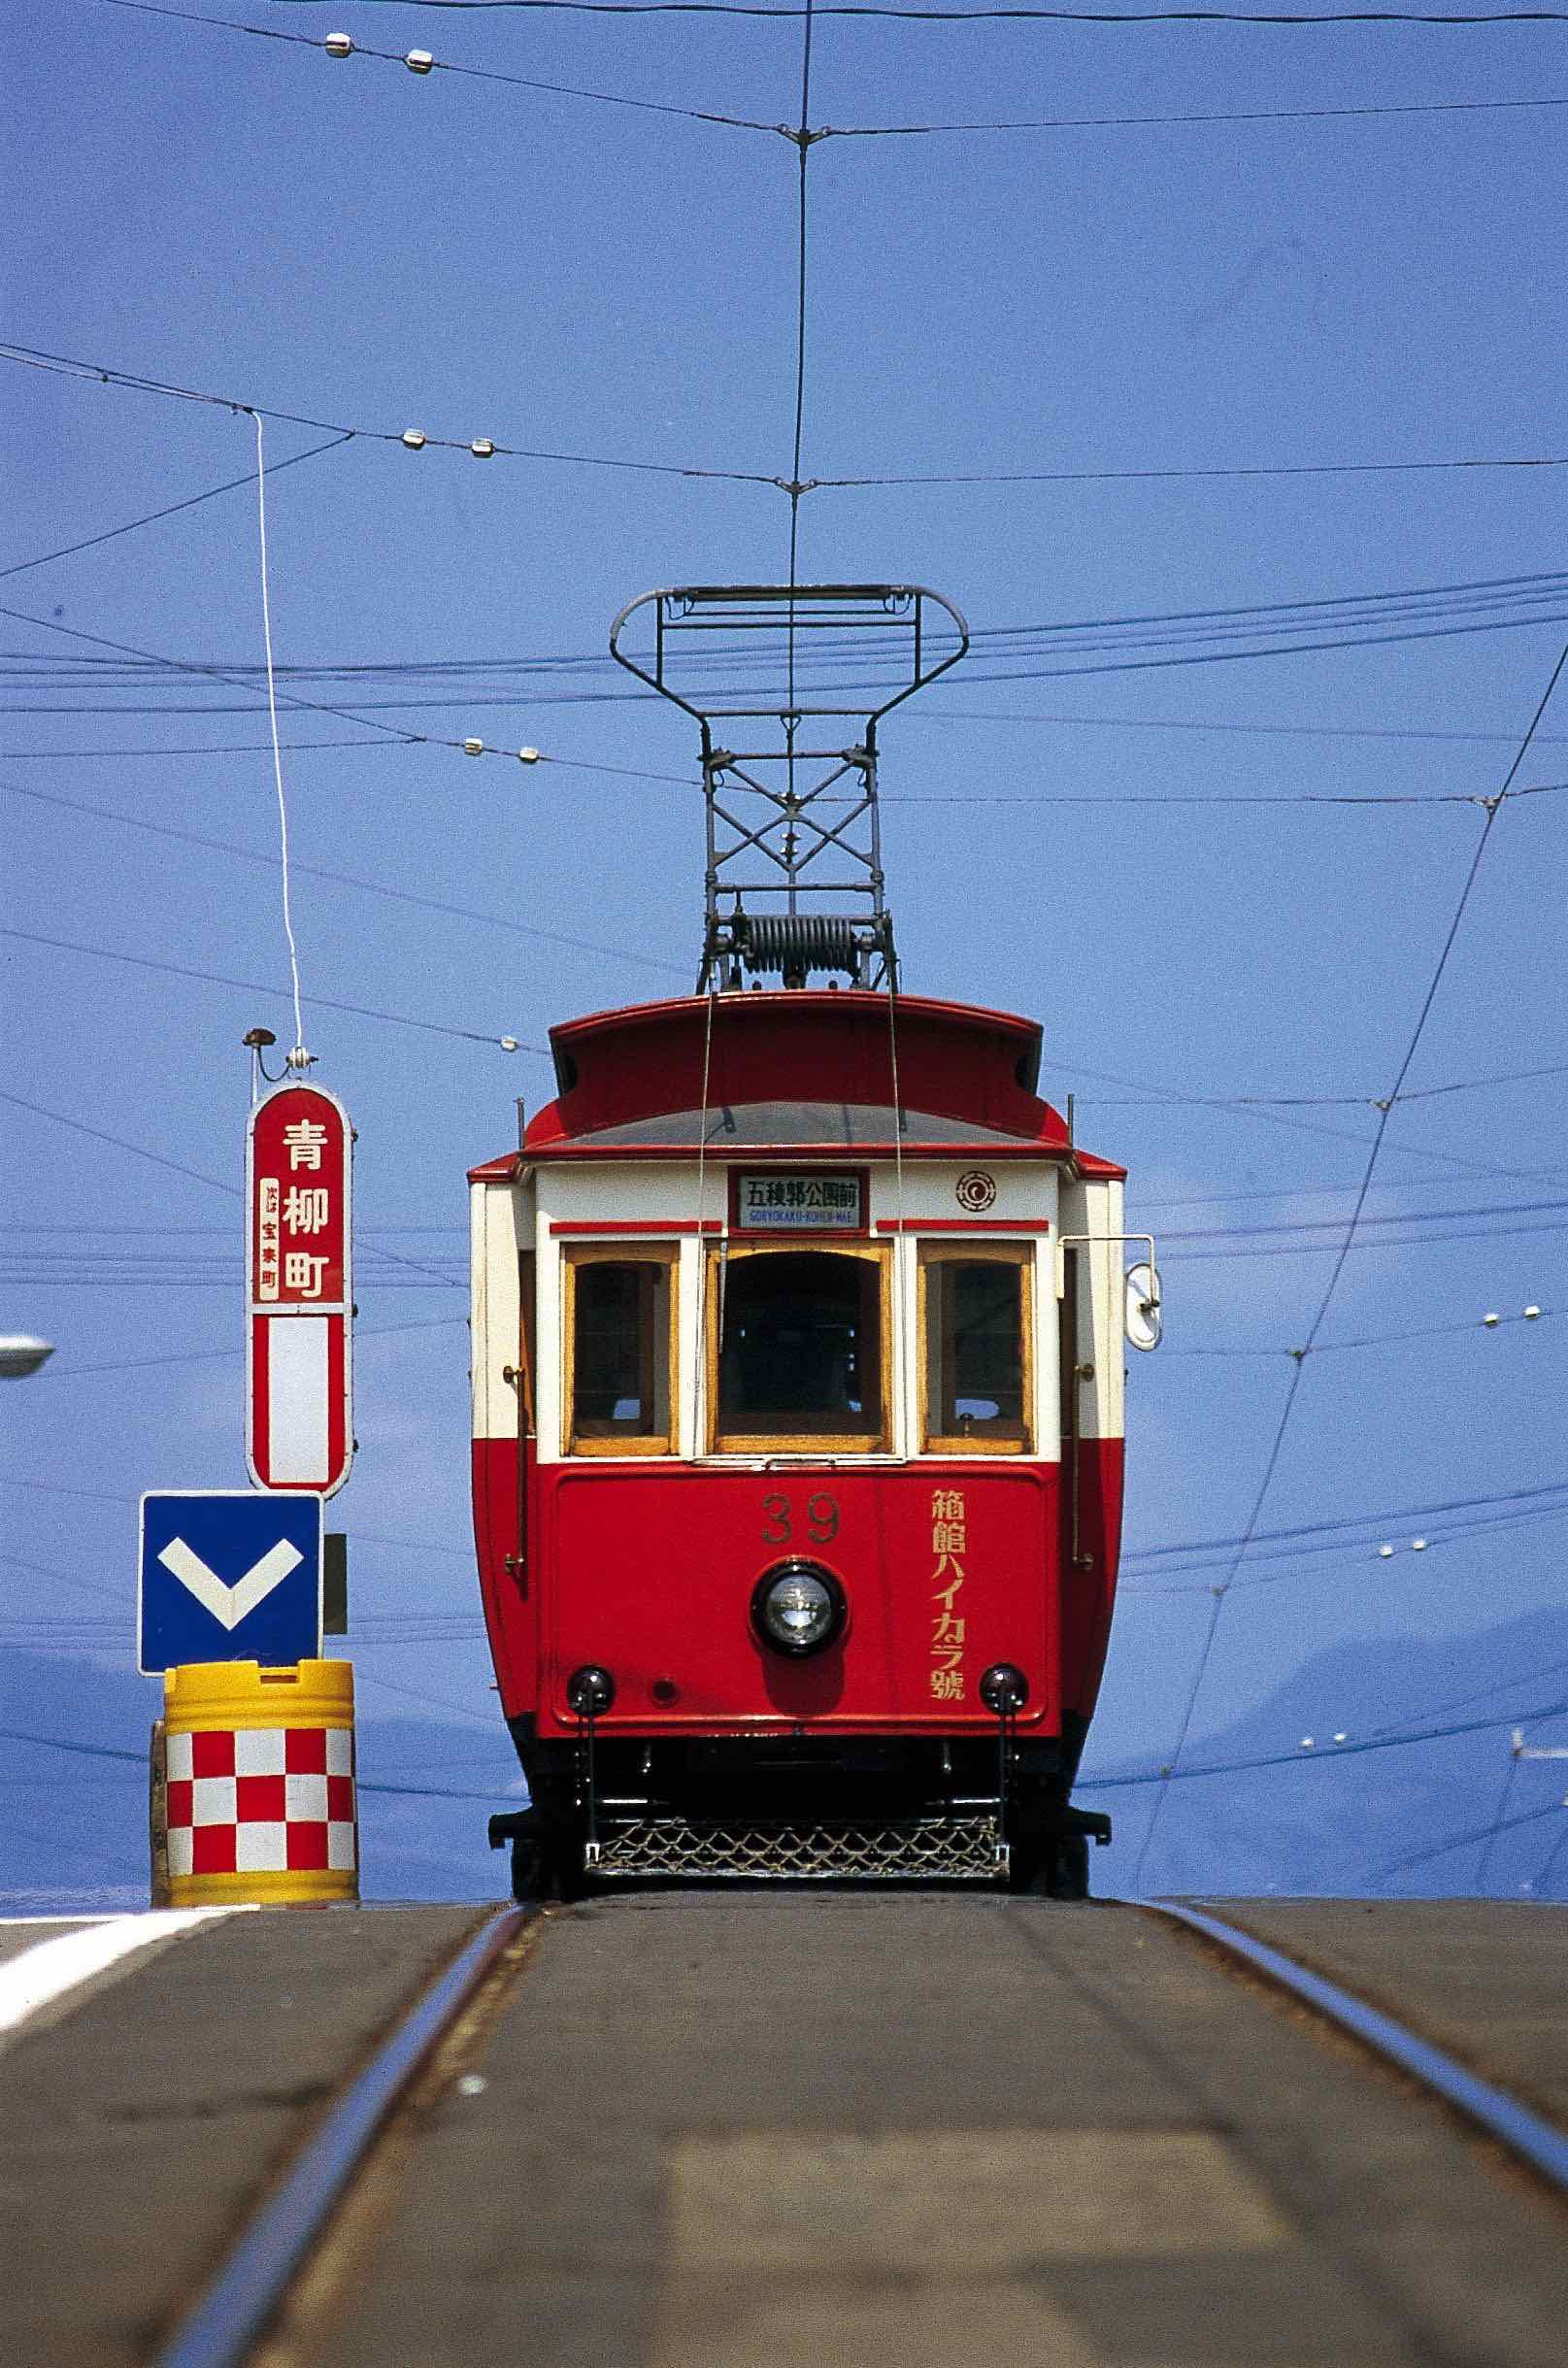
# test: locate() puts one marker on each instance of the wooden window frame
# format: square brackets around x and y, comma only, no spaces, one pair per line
[878,1255]
[972,1252]
[575,1256]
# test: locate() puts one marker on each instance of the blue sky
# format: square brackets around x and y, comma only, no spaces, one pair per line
[374,249]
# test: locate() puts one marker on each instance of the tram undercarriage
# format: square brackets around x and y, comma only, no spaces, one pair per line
[797,1808]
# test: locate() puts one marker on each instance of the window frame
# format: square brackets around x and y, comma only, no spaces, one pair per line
[575,1256]
[1023,1255]
[879,1256]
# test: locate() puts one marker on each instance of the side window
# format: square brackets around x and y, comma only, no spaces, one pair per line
[977,1361]
[798,1348]
[620,1334]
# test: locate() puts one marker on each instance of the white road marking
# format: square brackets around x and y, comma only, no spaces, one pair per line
[229,1605]
[53,1968]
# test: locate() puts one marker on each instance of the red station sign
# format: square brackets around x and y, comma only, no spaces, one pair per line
[299,1396]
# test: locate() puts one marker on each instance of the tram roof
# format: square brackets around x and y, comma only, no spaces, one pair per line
[795,1070]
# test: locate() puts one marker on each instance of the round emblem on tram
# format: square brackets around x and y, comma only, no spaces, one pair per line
[975,1190]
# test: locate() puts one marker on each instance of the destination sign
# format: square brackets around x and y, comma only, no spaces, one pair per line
[799,1203]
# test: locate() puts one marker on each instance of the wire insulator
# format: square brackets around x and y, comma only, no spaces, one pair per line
[338,44]
[418,61]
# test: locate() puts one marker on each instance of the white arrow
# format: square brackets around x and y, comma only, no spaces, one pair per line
[229,1605]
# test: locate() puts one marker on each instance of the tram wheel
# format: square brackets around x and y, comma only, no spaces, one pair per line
[1067,1867]
[1054,1866]
[544,1868]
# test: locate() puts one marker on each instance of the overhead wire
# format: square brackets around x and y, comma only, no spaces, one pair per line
[54,1372]
[108,375]
[1459,1840]
[258,986]
[440,65]
[1480,605]
[1174,1098]
[1249,114]
[34,357]
[158,1160]
[1380,1340]
[1188,1580]
[351,879]
[91,542]
[1377,1522]
[1494,807]
[429,65]
[982,15]
[1298,1758]
[1211,724]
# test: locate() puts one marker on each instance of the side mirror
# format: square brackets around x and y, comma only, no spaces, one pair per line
[1144,1321]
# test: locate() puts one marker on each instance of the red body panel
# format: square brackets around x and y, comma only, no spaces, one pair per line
[648,1570]
[1088,1592]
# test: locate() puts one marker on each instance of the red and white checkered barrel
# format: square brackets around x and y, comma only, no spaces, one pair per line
[259,1768]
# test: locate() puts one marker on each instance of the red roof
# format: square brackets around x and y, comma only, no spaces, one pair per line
[798,1068]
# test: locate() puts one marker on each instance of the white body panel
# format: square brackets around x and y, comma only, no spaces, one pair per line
[499,1229]
[545,1208]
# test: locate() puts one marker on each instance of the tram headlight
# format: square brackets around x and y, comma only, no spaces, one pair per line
[798,1609]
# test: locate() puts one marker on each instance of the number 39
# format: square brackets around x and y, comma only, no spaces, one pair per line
[821,1519]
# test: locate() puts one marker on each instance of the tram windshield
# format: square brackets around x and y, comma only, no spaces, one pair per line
[800,1349]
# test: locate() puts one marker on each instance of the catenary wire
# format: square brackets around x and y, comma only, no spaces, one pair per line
[959,717]
[1530,600]
[106,375]
[987,16]
[1494,808]
[215,1182]
[1250,114]
[52,1372]
[373,887]
[1379,1524]
[91,542]
[439,65]
[1460,1841]
[256,986]
[846,131]
[68,366]
[1187,1580]
[258,748]
[1381,1340]
[1305,1760]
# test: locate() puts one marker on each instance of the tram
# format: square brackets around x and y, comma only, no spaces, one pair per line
[799,1326]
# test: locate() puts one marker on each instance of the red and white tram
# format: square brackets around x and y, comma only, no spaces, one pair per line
[797,1459]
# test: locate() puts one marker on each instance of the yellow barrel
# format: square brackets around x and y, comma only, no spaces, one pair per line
[259,1791]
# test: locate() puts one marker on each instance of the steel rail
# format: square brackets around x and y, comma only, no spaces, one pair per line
[247,2290]
[1536,2142]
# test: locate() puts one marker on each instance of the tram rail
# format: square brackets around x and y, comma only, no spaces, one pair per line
[1527,2134]
[225,2324]
[234,2315]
